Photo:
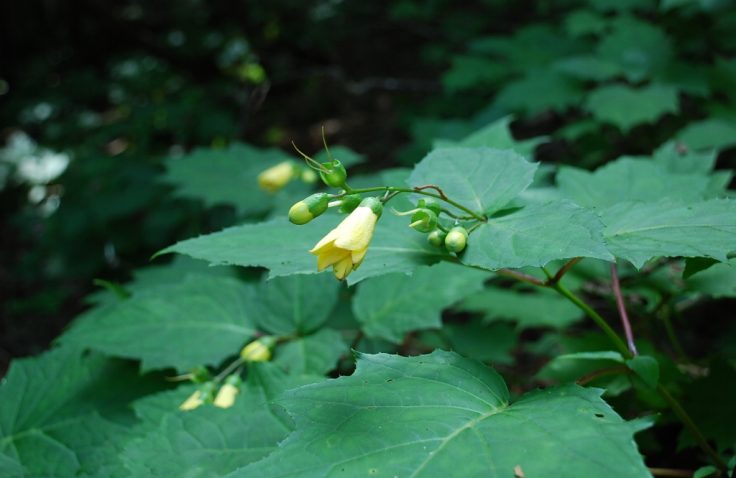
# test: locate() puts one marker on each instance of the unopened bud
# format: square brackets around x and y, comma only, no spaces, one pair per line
[456,239]
[309,176]
[226,395]
[424,220]
[200,396]
[437,237]
[276,177]
[334,174]
[308,208]
[258,350]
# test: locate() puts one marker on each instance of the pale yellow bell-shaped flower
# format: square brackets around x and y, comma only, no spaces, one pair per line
[194,401]
[276,177]
[345,247]
[228,392]
[258,350]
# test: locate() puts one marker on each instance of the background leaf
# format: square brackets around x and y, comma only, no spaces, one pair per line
[390,306]
[627,107]
[638,232]
[199,321]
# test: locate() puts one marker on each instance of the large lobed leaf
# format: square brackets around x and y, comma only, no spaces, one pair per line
[483,179]
[50,422]
[199,321]
[638,232]
[627,107]
[443,415]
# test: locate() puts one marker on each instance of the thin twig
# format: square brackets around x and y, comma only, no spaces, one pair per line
[622,310]
[563,270]
[585,379]
[671,472]
[432,186]
[522,277]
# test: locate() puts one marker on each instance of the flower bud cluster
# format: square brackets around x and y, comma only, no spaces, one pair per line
[425,218]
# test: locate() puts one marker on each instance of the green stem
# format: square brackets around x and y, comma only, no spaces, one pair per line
[600,321]
[229,369]
[415,191]
[692,427]
[623,349]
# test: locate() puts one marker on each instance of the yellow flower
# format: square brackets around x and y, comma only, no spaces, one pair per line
[344,247]
[226,395]
[276,177]
[258,350]
[194,401]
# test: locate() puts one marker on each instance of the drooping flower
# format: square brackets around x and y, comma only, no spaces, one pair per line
[276,177]
[228,392]
[258,350]
[345,247]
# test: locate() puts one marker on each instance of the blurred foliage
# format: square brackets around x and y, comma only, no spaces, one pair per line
[129,127]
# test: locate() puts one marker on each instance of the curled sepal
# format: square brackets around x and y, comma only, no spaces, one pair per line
[431,204]
[333,173]
[228,392]
[276,177]
[308,208]
[201,395]
[437,237]
[423,220]
[258,350]
[349,203]
[456,239]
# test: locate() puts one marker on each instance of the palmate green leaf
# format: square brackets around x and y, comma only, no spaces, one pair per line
[481,341]
[482,179]
[638,232]
[718,280]
[540,91]
[210,441]
[536,235]
[642,50]
[629,179]
[389,306]
[710,133]
[50,423]
[315,354]
[627,107]
[225,176]
[676,159]
[199,321]
[498,135]
[588,67]
[296,304]
[540,308]
[440,415]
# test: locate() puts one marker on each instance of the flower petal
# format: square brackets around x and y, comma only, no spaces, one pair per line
[343,268]
[331,256]
[355,232]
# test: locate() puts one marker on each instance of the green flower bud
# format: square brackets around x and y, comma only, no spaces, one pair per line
[200,374]
[437,237]
[424,220]
[308,208]
[456,239]
[335,174]
[431,204]
[349,203]
[374,204]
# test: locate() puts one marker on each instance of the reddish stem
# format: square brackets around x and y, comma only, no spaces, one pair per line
[622,310]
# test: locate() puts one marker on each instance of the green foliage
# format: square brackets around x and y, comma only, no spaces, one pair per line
[579,153]
[433,412]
